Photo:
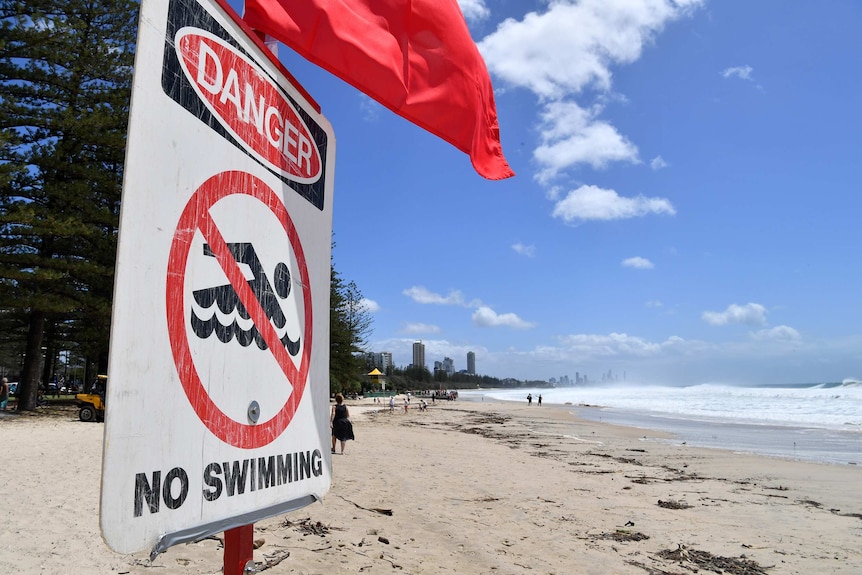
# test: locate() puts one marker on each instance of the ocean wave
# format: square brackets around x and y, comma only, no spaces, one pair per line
[832,407]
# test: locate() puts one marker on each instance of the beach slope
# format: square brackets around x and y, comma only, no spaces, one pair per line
[468,487]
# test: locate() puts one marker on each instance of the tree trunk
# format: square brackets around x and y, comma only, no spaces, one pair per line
[50,353]
[29,385]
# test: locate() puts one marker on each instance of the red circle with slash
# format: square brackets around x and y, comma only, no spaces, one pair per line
[196,216]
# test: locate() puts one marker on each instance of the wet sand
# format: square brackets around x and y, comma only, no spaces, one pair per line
[468,487]
[842,447]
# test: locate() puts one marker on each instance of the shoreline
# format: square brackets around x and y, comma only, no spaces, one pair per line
[468,488]
[792,442]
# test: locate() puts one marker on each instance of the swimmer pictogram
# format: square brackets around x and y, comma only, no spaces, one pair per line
[228,302]
[270,299]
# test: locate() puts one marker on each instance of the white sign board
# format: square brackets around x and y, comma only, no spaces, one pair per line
[218,382]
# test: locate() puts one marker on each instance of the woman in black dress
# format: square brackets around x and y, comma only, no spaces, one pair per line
[339,421]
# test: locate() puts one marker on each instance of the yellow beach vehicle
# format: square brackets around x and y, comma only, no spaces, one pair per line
[91,405]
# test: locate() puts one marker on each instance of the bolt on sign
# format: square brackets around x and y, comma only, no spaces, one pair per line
[217,406]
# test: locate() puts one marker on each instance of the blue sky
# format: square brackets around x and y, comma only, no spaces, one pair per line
[686,207]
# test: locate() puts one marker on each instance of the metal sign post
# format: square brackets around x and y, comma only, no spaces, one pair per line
[217,412]
[238,549]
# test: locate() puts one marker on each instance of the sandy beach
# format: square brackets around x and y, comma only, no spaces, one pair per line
[467,487]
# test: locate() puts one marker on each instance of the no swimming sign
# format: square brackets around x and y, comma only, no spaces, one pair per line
[218,394]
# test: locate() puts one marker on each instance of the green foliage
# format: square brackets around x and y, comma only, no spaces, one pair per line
[65,73]
[349,327]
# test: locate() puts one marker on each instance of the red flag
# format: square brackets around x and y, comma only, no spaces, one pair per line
[416,57]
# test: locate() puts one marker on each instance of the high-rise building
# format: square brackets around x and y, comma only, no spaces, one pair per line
[418,354]
[385,361]
[449,366]
[381,361]
[471,363]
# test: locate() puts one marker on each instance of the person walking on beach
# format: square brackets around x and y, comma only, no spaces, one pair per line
[529,399]
[391,404]
[339,422]
[540,400]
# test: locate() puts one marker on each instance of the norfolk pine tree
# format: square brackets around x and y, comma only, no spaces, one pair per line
[65,81]
[349,326]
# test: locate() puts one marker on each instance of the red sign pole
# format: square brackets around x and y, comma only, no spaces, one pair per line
[238,549]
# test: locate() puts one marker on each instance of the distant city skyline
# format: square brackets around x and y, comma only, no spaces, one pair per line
[382,360]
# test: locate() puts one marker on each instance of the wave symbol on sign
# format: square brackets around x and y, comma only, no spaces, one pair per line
[228,302]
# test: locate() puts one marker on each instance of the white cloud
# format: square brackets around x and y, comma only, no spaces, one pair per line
[370,305]
[748,314]
[614,344]
[572,135]
[528,251]
[553,193]
[658,163]
[474,10]
[420,294]
[417,328]
[654,303]
[487,317]
[741,72]
[638,263]
[777,333]
[484,316]
[568,50]
[573,44]
[594,203]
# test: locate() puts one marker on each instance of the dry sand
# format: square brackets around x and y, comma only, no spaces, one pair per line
[467,488]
